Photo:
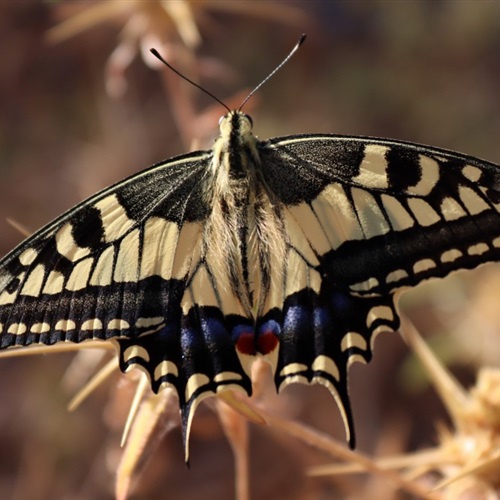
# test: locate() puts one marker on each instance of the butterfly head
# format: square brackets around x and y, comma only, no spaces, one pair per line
[235,124]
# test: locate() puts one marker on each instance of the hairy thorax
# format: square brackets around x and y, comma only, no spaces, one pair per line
[244,234]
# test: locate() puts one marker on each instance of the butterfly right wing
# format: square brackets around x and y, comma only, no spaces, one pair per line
[365,218]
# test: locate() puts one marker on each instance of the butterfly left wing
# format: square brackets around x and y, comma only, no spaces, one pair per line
[365,218]
[130,264]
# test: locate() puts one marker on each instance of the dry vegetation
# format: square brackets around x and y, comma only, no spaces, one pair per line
[83,105]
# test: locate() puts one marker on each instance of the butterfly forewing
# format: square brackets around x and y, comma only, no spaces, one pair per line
[386,214]
[78,278]
[110,267]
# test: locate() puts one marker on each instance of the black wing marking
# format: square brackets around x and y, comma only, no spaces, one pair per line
[365,218]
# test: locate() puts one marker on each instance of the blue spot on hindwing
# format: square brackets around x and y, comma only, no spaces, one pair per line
[322,320]
[296,318]
[267,336]
[341,301]
[270,326]
[240,330]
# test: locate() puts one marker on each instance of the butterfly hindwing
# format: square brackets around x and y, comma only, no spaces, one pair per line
[194,351]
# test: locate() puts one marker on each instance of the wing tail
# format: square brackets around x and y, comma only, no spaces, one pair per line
[323,334]
[192,353]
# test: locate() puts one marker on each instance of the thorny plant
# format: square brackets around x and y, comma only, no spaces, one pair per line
[466,459]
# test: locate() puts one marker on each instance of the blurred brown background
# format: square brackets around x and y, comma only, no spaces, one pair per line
[425,72]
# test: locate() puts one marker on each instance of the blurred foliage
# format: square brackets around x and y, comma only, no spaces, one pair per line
[424,71]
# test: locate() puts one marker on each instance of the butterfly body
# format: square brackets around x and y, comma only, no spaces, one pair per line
[244,229]
[291,248]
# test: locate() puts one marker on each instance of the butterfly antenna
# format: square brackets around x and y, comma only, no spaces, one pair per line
[287,58]
[184,77]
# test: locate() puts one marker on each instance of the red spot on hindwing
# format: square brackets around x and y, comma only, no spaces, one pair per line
[246,343]
[267,341]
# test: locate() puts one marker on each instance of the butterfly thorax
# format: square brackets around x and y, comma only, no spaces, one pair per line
[244,221]
[235,153]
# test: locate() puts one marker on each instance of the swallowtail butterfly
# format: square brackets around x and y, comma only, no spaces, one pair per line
[291,248]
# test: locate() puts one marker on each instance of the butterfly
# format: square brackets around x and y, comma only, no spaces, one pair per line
[292,249]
